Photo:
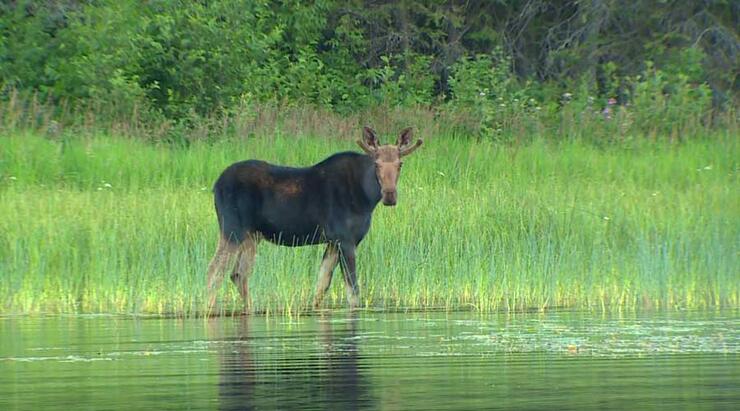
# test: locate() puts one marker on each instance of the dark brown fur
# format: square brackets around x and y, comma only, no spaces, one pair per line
[331,202]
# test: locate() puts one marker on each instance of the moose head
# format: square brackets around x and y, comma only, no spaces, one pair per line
[388,160]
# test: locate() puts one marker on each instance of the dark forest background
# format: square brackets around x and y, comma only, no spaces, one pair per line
[184,61]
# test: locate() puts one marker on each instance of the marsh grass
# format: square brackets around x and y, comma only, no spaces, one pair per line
[109,224]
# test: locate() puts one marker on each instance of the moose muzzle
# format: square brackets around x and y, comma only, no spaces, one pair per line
[390,197]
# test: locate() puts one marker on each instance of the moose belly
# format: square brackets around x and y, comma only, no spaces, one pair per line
[292,237]
[290,224]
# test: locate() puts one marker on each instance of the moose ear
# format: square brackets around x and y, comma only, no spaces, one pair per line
[405,138]
[368,134]
[369,141]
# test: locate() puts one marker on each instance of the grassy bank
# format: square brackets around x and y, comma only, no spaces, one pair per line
[106,224]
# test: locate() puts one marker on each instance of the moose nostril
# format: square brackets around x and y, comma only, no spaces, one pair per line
[389,197]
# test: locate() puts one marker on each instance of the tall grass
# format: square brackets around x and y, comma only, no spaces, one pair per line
[656,118]
[108,224]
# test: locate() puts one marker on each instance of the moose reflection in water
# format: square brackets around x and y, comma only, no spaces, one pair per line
[331,202]
[255,373]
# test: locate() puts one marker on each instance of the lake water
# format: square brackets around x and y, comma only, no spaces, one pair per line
[399,361]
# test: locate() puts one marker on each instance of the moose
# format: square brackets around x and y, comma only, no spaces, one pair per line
[330,203]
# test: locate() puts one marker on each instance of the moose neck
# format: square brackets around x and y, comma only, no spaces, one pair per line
[369,184]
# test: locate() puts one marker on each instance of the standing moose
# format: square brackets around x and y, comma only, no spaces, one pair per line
[331,202]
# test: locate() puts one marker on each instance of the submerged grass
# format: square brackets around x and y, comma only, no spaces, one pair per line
[107,224]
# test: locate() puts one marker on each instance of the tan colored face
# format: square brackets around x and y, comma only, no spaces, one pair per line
[388,160]
[388,169]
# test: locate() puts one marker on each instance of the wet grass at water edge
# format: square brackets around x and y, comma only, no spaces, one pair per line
[108,224]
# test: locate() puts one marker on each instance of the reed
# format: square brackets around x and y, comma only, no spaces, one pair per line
[101,223]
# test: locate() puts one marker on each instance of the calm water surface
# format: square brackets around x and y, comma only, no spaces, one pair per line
[561,360]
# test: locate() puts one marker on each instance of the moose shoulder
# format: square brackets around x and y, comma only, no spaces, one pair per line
[331,202]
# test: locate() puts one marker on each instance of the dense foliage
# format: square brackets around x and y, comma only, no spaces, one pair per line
[181,60]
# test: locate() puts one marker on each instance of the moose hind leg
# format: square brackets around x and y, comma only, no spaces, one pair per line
[350,275]
[328,264]
[222,261]
[243,270]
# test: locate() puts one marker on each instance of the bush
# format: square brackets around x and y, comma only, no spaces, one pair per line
[190,64]
[486,85]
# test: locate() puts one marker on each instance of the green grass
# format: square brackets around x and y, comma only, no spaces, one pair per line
[109,224]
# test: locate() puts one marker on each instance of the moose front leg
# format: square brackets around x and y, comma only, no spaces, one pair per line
[328,263]
[350,275]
